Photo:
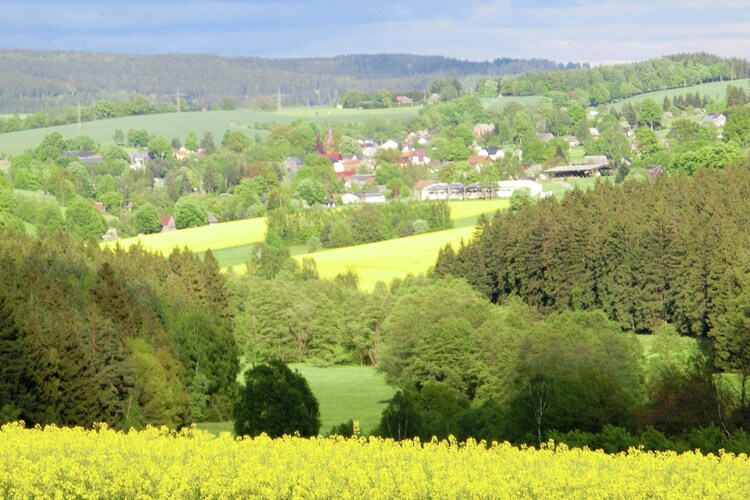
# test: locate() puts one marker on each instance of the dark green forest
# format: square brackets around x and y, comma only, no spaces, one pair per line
[127,338]
[34,80]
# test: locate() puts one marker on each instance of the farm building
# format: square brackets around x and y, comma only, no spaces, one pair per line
[588,170]
[476,191]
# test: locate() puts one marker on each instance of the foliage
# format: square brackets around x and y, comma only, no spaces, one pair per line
[190,212]
[276,401]
[84,220]
[146,219]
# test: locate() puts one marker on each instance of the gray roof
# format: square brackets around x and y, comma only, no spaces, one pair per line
[575,168]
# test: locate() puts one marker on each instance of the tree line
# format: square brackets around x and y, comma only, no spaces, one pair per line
[611,83]
[34,80]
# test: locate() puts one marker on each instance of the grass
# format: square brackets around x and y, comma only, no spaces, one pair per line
[715,90]
[348,392]
[200,239]
[343,393]
[498,103]
[171,125]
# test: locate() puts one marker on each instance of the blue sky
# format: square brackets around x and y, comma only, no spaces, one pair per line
[602,31]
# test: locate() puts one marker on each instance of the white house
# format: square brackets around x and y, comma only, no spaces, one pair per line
[389,144]
[349,199]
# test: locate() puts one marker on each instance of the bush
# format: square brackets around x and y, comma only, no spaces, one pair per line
[276,401]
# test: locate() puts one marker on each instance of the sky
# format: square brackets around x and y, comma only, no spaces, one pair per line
[593,31]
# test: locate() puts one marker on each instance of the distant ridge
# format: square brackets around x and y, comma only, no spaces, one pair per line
[33,80]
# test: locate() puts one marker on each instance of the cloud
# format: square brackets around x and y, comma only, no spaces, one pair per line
[578,30]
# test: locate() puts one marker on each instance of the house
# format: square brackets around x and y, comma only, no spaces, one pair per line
[362,179]
[494,152]
[655,170]
[99,206]
[292,165]
[545,137]
[478,160]
[138,159]
[345,176]
[594,132]
[349,199]
[416,157]
[212,220]
[402,100]
[718,120]
[181,154]
[90,159]
[389,144]
[368,197]
[167,223]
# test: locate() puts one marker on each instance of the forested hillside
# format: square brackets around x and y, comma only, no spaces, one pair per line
[33,80]
[674,250]
[608,83]
[129,339]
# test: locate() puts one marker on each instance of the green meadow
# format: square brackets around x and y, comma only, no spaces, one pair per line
[343,393]
[172,125]
[714,90]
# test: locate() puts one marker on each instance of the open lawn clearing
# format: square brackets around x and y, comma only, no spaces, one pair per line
[348,392]
[200,239]
[343,392]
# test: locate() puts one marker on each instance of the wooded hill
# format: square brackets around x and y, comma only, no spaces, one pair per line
[35,80]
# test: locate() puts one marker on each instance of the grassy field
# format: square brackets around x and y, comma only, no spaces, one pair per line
[343,393]
[463,213]
[172,125]
[348,392]
[199,239]
[714,90]
[178,125]
[386,260]
[498,103]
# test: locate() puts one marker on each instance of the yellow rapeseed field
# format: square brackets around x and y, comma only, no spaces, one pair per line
[200,239]
[64,463]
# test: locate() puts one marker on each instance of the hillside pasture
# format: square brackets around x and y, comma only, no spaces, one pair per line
[498,103]
[200,239]
[171,125]
[714,90]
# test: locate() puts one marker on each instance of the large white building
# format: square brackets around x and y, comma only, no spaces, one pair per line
[456,191]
